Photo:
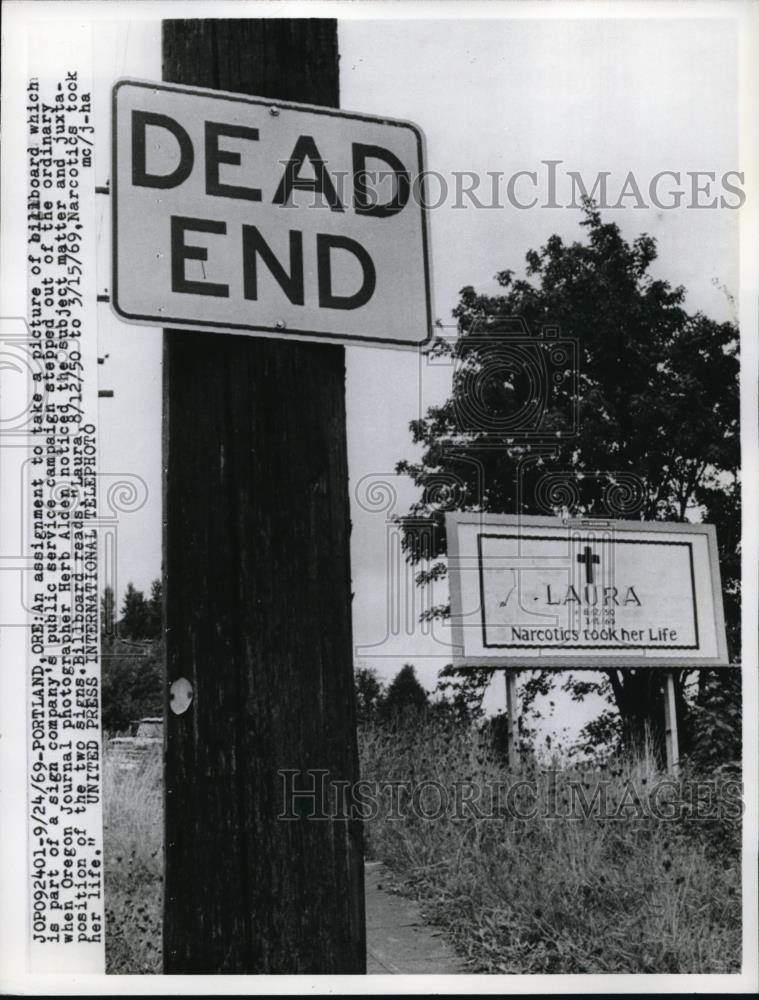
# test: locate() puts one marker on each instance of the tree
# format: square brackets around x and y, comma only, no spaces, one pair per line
[646,427]
[134,621]
[154,621]
[369,694]
[107,617]
[459,695]
[132,687]
[716,721]
[132,658]
[405,696]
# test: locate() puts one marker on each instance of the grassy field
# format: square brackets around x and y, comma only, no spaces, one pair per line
[624,892]
[620,892]
[133,832]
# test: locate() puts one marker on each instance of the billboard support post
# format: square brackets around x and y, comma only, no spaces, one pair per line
[512,716]
[670,724]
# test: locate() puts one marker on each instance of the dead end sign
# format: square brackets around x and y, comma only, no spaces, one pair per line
[241,214]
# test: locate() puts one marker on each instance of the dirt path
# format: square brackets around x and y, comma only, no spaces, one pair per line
[397,940]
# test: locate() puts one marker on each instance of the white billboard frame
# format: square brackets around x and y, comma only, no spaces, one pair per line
[592,657]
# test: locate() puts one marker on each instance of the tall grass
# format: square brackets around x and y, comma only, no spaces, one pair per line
[133,836]
[633,894]
[629,894]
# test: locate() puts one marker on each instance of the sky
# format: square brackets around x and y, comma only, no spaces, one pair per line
[495,94]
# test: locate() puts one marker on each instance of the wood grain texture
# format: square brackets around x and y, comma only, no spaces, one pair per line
[257,597]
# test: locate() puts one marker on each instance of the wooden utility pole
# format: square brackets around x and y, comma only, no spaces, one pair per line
[257,597]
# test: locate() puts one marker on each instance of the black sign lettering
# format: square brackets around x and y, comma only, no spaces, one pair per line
[180,252]
[215,156]
[327,299]
[140,176]
[362,203]
[305,148]
[253,246]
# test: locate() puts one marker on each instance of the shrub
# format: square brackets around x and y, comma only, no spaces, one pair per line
[626,891]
